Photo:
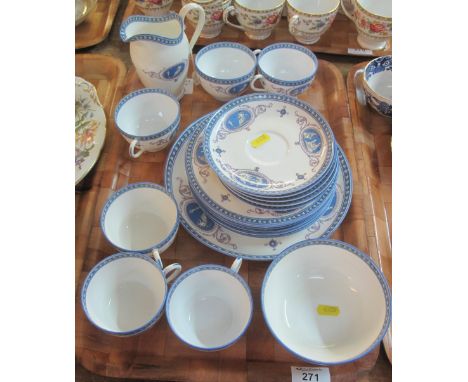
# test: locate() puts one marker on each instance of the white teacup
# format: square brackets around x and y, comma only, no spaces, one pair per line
[257,18]
[326,302]
[210,307]
[310,19]
[213,16]
[125,293]
[154,7]
[285,68]
[225,69]
[148,119]
[377,85]
[140,217]
[373,20]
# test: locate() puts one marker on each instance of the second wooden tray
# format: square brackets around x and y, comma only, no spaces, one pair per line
[341,38]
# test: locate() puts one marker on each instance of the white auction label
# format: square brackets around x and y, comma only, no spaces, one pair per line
[360,52]
[188,86]
[311,374]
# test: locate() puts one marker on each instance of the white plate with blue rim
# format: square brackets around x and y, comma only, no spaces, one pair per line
[223,240]
[258,143]
[208,188]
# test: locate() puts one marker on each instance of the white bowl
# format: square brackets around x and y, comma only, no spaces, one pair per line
[326,302]
[210,307]
[124,294]
[148,119]
[225,69]
[140,217]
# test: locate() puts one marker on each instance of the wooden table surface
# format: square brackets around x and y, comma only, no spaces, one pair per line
[113,46]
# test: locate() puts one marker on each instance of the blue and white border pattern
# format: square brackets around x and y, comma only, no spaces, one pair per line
[352,250]
[103,263]
[221,112]
[209,267]
[287,45]
[236,252]
[377,65]
[229,81]
[129,188]
[168,130]
[152,37]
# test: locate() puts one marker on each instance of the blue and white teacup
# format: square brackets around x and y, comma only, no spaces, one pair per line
[285,68]
[210,307]
[225,69]
[140,218]
[377,85]
[125,293]
[148,119]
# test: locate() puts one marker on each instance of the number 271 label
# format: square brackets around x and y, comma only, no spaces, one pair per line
[310,374]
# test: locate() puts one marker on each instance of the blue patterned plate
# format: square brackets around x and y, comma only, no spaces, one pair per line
[226,241]
[268,144]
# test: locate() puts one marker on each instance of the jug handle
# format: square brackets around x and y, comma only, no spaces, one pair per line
[345,10]
[201,20]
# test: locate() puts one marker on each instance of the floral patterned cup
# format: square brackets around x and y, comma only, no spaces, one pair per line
[373,19]
[154,7]
[308,20]
[214,16]
[256,18]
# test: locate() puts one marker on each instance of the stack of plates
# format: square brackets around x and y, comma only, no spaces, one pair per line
[265,165]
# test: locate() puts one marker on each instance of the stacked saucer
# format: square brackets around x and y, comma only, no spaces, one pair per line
[266,165]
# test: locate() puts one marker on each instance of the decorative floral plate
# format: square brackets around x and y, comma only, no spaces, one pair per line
[90,128]
[230,243]
[268,144]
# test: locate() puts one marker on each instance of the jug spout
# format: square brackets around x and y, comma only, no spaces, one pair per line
[167,29]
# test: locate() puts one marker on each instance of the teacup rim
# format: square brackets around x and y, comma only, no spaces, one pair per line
[374,15]
[101,264]
[372,265]
[289,45]
[225,44]
[172,126]
[236,3]
[131,187]
[197,269]
[304,13]
[367,85]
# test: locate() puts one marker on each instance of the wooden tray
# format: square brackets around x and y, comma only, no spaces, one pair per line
[107,74]
[97,26]
[373,135]
[341,38]
[157,353]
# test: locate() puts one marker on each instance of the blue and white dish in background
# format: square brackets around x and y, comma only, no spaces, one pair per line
[377,84]
[326,302]
[285,68]
[210,307]
[225,69]
[230,243]
[258,143]
[212,193]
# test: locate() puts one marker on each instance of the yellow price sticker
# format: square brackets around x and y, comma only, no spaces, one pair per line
[259,141]
[327,310]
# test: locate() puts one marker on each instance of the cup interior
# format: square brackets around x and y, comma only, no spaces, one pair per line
[209,308]
[377,7]
[225,63]
[146,114]
[287,64]
[260,4]
[125,294]
[378,76]
[140,218]
[315,6]
[311,277]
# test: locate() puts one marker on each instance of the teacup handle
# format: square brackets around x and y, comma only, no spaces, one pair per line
[252,83]
[131,150]
[171,271]
[294,20]
[200,24]
[345,10]
[227,12]
[360,95]
[236,265]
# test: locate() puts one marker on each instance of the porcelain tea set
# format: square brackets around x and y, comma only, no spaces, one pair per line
[260,178]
